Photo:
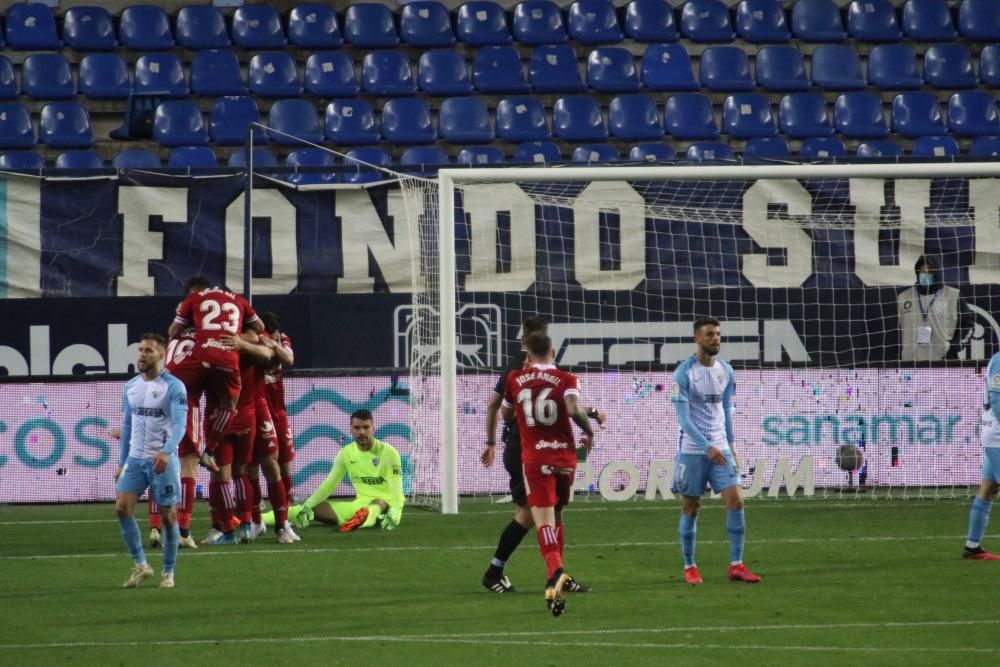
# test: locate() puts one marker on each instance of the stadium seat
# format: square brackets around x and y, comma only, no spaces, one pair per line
[973,113]
[706,21]
[498,70]
[709,151]
[587,153]
[407,120]
[330,74]
[860,116]
[104,76]
[474,155]
[201,27]
[428,158]
[425,24]
[593,22]
[747,116]
[893,67]
[936,147]
[928,21]
[762,22]
[350,122]
[781,69]
[136,158]
[291,120]
[258,27]
[949,66]
[578,118]
[274,74]
[482,23]
[8,82]
[145,28]
[65,125]
[767,148]
[521,119]
[725,69]
[193,157]
[873,21]
[553,69]
[464,120]
[311,157]
[31,26]
[537,152]
[979,20]
[160,73]
[538,22]
[650,21]
[634,118]
[370,25]
[802,115]
[46,76]
[883,148]
[652,152]
[837,67]
[216,73]
[443,72]
[230,118]
[989,65]
[314,26]
[89,29]
[179,123]
[261,158]
[360,158]
[667,67]
[985,147]
[690,117]
[822,147]
[917,114]
[22,160]
[387,73]
[611,69]
[817,21]
[79,160]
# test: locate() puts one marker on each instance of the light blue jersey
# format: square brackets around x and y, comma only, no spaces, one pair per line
[154,416]
[703,399]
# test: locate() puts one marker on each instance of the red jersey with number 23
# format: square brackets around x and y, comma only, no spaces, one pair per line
[215,312]
[538,396]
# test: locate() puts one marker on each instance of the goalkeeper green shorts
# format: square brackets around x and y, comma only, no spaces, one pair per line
[345,509]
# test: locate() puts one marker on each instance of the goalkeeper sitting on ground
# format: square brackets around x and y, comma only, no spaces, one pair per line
[377,475]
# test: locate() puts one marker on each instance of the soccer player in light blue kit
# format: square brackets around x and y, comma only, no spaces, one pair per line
[989,435]
[702,393]
[154,416]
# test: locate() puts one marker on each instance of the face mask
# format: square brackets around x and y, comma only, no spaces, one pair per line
[926,279]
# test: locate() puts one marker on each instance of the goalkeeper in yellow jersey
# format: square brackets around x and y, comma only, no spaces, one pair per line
[377,475]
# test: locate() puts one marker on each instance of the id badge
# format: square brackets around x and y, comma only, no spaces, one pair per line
[923,335]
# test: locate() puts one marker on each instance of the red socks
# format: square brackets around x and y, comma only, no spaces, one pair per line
[257,497]
[221,498]
[187,503]
[279,502]
[244,497]
[154,514]
[559,537]
[548,544]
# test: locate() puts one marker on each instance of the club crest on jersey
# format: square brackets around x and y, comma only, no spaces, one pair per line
[157,394]
[995,380]
[375,461]
[675,390]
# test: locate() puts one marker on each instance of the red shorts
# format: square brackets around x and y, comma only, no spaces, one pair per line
[224,452]
[189,444]
[242,442]
[245,420]
[221,383]
[189,371]
[265,444]
[281,426]
[547,485]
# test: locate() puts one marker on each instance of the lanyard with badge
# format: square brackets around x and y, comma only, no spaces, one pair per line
[924,330]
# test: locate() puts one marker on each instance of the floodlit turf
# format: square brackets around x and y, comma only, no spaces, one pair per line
[845,582]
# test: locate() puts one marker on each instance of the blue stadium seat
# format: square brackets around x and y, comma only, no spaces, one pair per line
[652,152]
[104,76]
[179,123]
[136,158]
[193,157]
[690,117]
[79,160]
[160,73]
[587,153]
[985,147]
[387,73]
[21,160]
[917,114]
[802,115]
[407,120]
[258,27]
[201,27]
[311,157]
[261,158]
[817,21]
[593,22]
[762,22]
[709,151]
[706,21]
[464,120]
[634,118]
[781,69]
[936,147]
[314,26]
[860,116]
[578,118]
[767,148]
[482,23]
[216,73]
[667,67]
[537,152]
[748,115]
[498,69]
[428,158]
[979,20]
[351,123]
[973,113]
[8,82]
[893,67]
[611,69]
[274,74]
[145,28]
[822,147]
[46,76]
[370,25]
[928,21]
[297,118]
[89,29]
[553,69]
[650,21]
[873,21]
[949,66]
[31,26]
[521,119]
[359,158]
[725,69]
[65,125]
[539,22]
[474,155]
[443,72]
[230,118]
[426,24]
[883,148]
[837,67]
[330,74]
[989,65]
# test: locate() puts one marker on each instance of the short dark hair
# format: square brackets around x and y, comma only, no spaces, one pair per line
[196,284]
[155,337]
[363,414]
[704,321]
[271,322]
[534,324]
[538,344]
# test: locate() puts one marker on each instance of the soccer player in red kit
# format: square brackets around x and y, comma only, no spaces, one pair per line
[274,390]
[544,400]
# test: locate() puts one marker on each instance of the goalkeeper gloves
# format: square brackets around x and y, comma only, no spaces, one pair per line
[390,519]
[304,517]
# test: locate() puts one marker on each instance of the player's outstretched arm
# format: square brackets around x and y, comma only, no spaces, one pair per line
[329,484]
[579,417]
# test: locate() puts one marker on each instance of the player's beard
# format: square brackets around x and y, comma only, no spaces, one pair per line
[711,350]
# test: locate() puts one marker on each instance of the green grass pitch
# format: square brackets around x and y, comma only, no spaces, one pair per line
[846,581]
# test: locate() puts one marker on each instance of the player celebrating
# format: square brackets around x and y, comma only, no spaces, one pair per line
[702,394]
[274,392]
[544,399]
[154,413]
[989,435]
[180,362]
